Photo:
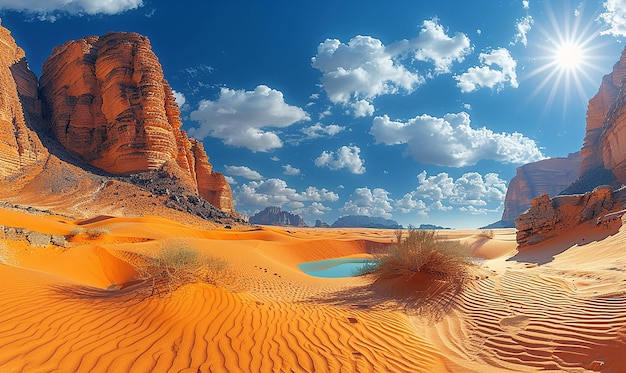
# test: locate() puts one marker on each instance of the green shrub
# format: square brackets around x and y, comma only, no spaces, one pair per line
[421,252]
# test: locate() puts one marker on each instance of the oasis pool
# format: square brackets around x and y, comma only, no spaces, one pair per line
[335,268]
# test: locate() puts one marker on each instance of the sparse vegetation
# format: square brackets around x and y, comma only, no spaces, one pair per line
[92,233]
[420,251]
[76,231]
[176,264]
[486,233]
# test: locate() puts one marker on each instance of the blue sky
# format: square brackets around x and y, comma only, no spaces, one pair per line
[410,110]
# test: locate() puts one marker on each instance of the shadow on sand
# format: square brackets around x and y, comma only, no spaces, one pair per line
[584,234]
[420,294]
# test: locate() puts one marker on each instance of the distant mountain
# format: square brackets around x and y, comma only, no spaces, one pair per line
[362,221]
[321,224]
[274,215]
[430,227]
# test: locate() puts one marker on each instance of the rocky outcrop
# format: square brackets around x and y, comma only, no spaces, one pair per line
[548,176]
[363,221]
[274,215]
[108,103]
[20,148]
[546,217]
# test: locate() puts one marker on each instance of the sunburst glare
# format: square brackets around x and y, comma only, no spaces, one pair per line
[570,54]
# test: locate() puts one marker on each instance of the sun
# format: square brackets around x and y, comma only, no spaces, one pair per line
[569,56]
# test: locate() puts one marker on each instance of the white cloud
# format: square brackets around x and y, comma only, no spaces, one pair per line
[346,157]
[435,188]
[319,130]
[230,180]
[354,74]
[362,108]
[243,171]
[472,191]
[487,75]
[50,10]
[276,192]
[315,208]
[525,4]
[451,141]
[614,17]
[361,69]
[180,98]
[433,45]
[409,204]
[523,26]
[239,116]
[290,170]
[364,201]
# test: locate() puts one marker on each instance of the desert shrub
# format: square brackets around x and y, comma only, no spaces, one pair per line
[175,264]
[486,233]
[93,233]
[76,231]
[421,252]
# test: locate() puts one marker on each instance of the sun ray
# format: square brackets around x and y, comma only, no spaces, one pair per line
[569,54]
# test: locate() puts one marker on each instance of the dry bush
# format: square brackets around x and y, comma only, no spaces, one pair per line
[94,233]
[421,252]
[175,264]
[489,233]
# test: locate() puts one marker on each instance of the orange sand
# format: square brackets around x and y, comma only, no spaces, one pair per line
[77,309]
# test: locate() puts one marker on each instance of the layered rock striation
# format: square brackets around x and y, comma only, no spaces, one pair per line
[547,217]
[108,103]
[20,109]
[605,139]
[548,176]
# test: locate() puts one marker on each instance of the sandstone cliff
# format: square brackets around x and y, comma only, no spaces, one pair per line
[548,176]
[21,151]
[108,103]
[547,217]
[603,146]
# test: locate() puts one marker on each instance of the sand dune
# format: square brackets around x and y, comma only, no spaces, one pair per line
[82,309]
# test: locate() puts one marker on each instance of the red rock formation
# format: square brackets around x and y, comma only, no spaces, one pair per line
[605,133]
[20,148]
[212,185]
[548,176]
[109,104]
[546,217]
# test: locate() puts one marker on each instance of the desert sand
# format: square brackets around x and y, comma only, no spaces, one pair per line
[79,308]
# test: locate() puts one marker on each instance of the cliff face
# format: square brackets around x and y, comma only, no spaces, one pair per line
[108,103]
[548,176]
[20,148]
[606,125]
[276,216]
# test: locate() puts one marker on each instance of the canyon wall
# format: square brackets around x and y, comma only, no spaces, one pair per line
[548,176]
[108,103]
[604,145]
[20,109]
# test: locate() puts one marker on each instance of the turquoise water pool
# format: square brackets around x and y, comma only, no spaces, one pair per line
[335,268]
